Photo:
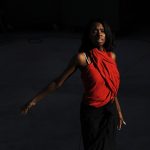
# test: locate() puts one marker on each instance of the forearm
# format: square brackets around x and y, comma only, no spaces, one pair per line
[41,95]
[117,105]
[53,86]
[120,116]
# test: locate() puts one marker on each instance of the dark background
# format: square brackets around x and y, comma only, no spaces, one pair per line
[122,15]
[37,40]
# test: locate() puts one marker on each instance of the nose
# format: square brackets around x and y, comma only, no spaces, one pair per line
[99,32]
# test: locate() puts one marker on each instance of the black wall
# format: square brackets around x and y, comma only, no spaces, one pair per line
[122,15]
[133,15]
[35,14]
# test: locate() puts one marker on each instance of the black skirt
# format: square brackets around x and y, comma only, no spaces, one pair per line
[98,127]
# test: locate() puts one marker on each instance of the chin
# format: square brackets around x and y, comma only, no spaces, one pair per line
[100,44]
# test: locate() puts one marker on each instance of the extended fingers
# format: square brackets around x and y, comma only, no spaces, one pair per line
[124,122]
[27,107]
[24,111]
[121,122]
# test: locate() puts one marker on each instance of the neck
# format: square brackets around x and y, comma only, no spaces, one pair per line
[101,48]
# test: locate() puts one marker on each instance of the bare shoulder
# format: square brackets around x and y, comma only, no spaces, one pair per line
[80,57]
[113,55]
[77,59]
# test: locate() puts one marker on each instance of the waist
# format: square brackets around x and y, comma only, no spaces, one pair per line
[97,102]
[85,107]
[99,99]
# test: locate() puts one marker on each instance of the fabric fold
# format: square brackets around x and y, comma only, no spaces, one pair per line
[107,67]
[101,79]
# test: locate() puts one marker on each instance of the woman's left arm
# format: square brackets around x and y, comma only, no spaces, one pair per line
[119,112]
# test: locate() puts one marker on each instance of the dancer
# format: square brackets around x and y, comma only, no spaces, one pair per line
[100,111]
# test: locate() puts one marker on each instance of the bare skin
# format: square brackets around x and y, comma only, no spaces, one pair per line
[97,35]
[78,61]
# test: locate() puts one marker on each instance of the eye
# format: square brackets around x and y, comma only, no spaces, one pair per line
[94,31]
[102,30]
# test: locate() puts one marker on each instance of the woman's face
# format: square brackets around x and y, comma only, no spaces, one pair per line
[97,35]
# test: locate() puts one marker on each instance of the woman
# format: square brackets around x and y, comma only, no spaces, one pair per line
[101,79]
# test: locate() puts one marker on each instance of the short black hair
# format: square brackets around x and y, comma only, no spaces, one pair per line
[86,44]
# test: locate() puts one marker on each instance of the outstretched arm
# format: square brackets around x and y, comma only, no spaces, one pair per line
[53,85]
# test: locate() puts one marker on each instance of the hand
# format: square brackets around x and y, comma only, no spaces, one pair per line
[27,107]
[120,121]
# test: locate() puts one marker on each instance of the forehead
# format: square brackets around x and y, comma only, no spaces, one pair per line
[97,25]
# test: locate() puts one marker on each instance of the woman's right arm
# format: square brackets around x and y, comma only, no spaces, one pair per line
[54,84]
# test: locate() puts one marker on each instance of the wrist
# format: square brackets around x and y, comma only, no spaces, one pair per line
[32,103]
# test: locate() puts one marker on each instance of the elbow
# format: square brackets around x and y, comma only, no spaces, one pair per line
[58,83]
[53,86]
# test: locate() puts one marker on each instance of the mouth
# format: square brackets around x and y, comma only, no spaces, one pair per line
[99,40]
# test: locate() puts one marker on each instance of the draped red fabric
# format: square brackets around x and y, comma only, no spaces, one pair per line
[107,67]
[101,78]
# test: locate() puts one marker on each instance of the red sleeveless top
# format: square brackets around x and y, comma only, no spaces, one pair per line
[100,78]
